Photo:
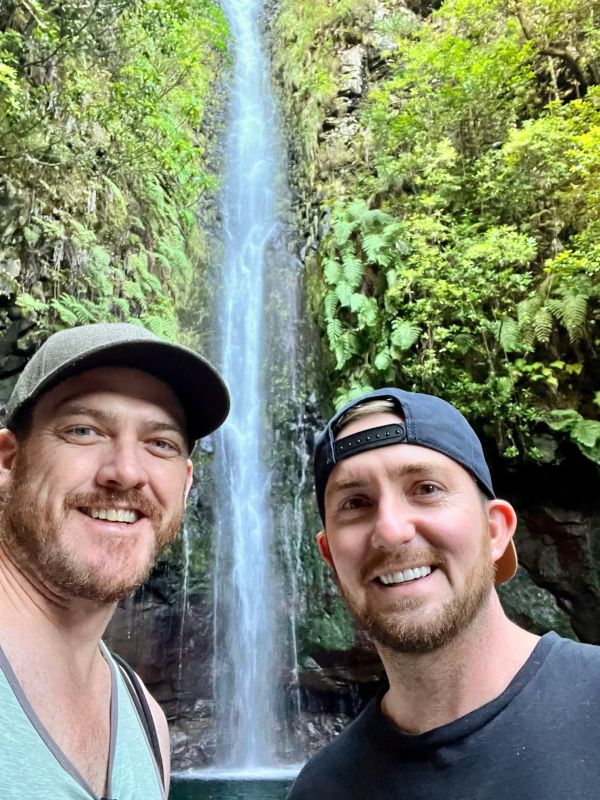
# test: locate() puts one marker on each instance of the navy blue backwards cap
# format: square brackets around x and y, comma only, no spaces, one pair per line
[428,421]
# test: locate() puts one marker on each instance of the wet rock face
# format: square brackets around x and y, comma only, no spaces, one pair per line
[174,661]
[560,548]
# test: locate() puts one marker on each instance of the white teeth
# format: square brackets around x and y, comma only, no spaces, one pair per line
[406,575]
[114,514]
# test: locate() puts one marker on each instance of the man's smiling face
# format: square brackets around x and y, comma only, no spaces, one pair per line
[97,487]
[407,537]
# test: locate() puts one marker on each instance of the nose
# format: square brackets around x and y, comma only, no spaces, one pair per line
[122,467]
[394,523]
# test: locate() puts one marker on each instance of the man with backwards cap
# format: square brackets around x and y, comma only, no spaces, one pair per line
[94,475]
[476,708]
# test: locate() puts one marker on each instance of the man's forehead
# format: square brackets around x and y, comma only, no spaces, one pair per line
[396,461]
[138,388]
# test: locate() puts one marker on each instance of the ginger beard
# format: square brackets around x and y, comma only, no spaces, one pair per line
[389,626]
[33,536]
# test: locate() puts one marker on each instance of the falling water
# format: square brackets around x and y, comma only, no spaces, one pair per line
[244,606]
[184,592]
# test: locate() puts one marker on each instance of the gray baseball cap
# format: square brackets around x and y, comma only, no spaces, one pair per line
[196,383]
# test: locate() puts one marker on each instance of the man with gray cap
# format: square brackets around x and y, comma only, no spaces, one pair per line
[94,475]
[475,708]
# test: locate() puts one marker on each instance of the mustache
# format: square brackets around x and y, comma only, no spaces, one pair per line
[400,560]
[132,498]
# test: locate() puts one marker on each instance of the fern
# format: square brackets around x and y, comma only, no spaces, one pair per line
[404,334]
[122,307]
[64,313]
[508,335]
[332,271]
[344,294]
[542,325]
[352,267]
[357,301]
[376,248]
[368,313]
[31,304]
[342,230]
[571,310]
[334,331]
[383,360]
[331,304]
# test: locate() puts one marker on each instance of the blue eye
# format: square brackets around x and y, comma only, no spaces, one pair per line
[81,430]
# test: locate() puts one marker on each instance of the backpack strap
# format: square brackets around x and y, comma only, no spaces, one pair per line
[138,697]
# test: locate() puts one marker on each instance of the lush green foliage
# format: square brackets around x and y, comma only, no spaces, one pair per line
[464,258]
[101,148]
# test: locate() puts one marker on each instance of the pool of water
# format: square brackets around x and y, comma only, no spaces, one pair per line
[229,789]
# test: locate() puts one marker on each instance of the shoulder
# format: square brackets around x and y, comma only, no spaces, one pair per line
[577,653]
[141,697]
[330,774]
[578,661]
[162,731]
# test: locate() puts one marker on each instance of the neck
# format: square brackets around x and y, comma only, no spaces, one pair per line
[34,618]
[428,690]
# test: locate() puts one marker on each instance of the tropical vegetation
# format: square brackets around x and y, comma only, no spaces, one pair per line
[103,156]
[462,255]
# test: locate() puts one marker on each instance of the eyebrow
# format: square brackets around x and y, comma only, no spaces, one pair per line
[108,417]
[355,479]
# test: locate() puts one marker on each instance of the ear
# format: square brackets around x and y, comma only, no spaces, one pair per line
[8,451]
[324,548]
[189,477]
[502,519]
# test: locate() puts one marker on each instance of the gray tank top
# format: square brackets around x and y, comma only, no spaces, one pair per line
[33,766]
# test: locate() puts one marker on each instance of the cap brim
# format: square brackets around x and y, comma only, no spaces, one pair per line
[507,564]
[197,385]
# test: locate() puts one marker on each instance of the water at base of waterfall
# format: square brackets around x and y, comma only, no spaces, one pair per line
[229,790]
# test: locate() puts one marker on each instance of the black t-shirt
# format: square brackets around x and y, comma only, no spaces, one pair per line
[539,740]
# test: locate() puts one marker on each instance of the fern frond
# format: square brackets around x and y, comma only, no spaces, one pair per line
[352,267]
[404,334]
[332,270]
[542,325]
[572,311]
[334,331]
[342,230]
[377,248]
[331,304]
[368,313]
[508,334]
[383,360]
[344,294]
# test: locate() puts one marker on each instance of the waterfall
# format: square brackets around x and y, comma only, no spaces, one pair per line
[245,589]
